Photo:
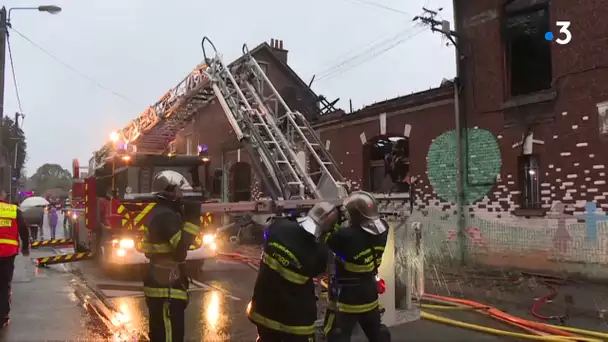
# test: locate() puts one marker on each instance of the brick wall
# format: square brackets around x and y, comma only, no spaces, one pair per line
[571,234]
[408,116]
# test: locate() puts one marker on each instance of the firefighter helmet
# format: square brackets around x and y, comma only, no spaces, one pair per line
[169,181]
[320,219]
[362,211]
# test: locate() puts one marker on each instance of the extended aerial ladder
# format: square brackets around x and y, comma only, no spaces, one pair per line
[274,140]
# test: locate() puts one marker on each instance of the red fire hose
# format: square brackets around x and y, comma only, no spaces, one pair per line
[491,311]
[503,316]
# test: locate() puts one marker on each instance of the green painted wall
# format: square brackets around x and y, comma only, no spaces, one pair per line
[484,165]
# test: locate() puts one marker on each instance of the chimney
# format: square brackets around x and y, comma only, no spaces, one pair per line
[278,50]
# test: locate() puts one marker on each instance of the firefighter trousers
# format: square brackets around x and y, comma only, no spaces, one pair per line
[167,319]
[7,266]
[270,335]
[339,326]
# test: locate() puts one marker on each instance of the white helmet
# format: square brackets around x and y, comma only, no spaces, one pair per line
[320,219]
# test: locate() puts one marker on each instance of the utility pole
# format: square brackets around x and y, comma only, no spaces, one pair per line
[443,27]
[4,31]
[16,137]
[14,175]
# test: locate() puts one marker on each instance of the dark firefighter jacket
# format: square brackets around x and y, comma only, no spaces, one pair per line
[284,294]
[355,271]
[168,235]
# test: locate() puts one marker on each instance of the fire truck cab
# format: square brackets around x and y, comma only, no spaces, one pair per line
[118,196]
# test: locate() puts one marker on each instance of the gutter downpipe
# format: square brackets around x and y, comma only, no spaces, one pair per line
[459,111]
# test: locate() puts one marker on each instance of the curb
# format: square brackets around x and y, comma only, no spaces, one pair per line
[96,303]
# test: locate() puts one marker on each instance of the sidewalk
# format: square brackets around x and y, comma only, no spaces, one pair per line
[44,307]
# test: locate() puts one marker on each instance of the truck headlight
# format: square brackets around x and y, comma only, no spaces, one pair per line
[208,239]
[126,243]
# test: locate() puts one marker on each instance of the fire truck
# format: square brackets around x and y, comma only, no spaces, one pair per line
[116,197]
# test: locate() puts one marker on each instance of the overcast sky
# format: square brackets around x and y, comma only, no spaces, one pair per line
[127,54]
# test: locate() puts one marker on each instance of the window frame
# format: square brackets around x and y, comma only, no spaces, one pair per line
[516,9]
[376,164]
[524,165]
[369,165]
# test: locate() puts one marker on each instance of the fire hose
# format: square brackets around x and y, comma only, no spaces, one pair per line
[535,330]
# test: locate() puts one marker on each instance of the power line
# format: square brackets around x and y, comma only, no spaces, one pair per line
[77,72]
[377,5]
[354,55]
[10,55]
[388,43]
[374,55]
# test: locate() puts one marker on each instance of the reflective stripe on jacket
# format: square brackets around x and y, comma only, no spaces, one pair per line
[166,240]
[355,252]
[284,296]
[9,230]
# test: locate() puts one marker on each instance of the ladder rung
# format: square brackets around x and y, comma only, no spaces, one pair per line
[294,183]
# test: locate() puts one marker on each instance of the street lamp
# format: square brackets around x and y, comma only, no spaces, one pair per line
[4,25]
[51,9]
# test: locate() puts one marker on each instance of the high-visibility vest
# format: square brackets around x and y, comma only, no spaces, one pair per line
[9,230]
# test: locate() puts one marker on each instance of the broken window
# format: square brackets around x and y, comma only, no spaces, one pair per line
[386,164]
[528,53]
[529,181]
[602,111]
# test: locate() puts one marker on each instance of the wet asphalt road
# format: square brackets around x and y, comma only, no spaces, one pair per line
[218,298]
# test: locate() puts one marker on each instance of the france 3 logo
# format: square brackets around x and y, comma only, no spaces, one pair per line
[564,35]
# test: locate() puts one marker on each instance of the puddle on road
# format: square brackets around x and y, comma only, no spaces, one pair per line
[132,312]
[214,325]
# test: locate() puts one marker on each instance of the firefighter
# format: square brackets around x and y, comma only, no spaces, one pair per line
[353,293]
[283,306]
[12,229]
[170,228]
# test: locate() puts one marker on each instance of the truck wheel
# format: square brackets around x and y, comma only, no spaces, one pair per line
[195,268]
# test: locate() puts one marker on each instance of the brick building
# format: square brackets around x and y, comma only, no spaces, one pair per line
[536,188]
[535,193]
[358,141]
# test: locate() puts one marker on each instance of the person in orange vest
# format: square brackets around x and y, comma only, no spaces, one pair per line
[12,228]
